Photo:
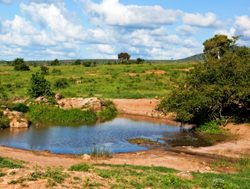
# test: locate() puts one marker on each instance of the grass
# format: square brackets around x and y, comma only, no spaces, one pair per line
[100,152]
[108,111]
[210,128]
[83,167]
[7,163]
[142,141]
[107,81]
[41,113]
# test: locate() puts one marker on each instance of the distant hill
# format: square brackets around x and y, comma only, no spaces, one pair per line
[197,57]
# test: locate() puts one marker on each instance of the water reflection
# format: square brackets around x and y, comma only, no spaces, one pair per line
[112,135]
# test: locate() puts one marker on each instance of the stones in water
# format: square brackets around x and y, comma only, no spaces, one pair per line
[17,119]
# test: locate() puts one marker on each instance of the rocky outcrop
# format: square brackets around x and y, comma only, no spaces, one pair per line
[17,119]
[80,103]
[41,99]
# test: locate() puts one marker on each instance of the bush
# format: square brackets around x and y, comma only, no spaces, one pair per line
[20,107]
[55,62]
[87,64]
[53,115]
[216,89]
[44,70]
[211,127]
[4,121]
[61,83]
[108,112]
[56,72]
[77,62]
[39,86]
[19,65]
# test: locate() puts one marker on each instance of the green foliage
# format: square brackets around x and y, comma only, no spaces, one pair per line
[6,163]
[87,64]
[217,89]
[52,115]
[108,111]
[217,46]
[20,107]
[211,127]
[82,167]
[140,60]
[19,65]
[77,62]
[44,70]
[124,57]
[56,72]
[4,121]
[55,62]
[39,86]
[100,152]
[61,83]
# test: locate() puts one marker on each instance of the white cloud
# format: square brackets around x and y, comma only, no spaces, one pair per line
[199,20]
[106,49]
[242,26]
[186,30]
[6,1]
[112,12]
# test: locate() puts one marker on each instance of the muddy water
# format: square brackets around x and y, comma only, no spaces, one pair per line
[111,136]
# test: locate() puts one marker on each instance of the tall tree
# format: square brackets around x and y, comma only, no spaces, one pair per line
[124,57]
[218,45]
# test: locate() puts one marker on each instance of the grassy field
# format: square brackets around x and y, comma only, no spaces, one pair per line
[126,176]
[107,81]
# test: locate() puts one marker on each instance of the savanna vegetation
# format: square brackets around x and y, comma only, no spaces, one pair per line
[85,175]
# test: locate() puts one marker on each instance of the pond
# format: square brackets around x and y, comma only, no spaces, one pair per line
[112,136]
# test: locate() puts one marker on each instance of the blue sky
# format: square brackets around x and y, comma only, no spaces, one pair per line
[151,29]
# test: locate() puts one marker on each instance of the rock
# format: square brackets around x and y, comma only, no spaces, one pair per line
[86,157]
[80,103]
[58,96]
[185,175]
[41,99]
[17,119]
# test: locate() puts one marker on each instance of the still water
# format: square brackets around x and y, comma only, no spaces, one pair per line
[111,136]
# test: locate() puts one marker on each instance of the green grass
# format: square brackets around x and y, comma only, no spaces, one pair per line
[7,163]
[46,114]
[83,167]
[107,81]
[100,152]
[210,128]
[108,111]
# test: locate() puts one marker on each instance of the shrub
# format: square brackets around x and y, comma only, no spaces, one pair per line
[77,62]
[4,121]
[55,62]
[44,70]
[6,163]
[87,64]
[20,107]
[56,72]
[61,83]
[39,86]
[46,114]
[19,65]
[211,127]
[108,111]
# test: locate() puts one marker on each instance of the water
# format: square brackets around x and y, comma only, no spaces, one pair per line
[111,136]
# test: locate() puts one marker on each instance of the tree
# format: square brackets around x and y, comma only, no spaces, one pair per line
[55,62]
[77,62]
[19,65]
[39,86]
[139,60]
[216,89]
[217,46]
[124,57]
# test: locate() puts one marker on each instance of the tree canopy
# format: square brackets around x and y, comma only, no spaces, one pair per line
[124,57]
[216,89]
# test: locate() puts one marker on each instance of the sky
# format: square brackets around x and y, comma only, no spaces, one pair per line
[150,29]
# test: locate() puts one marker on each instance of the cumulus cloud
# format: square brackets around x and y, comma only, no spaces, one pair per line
[201,20]
[242,26]
[129,15]
[186,30]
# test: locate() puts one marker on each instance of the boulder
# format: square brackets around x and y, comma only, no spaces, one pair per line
[41,99]
[80,103]
[58,96]
[17,119]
